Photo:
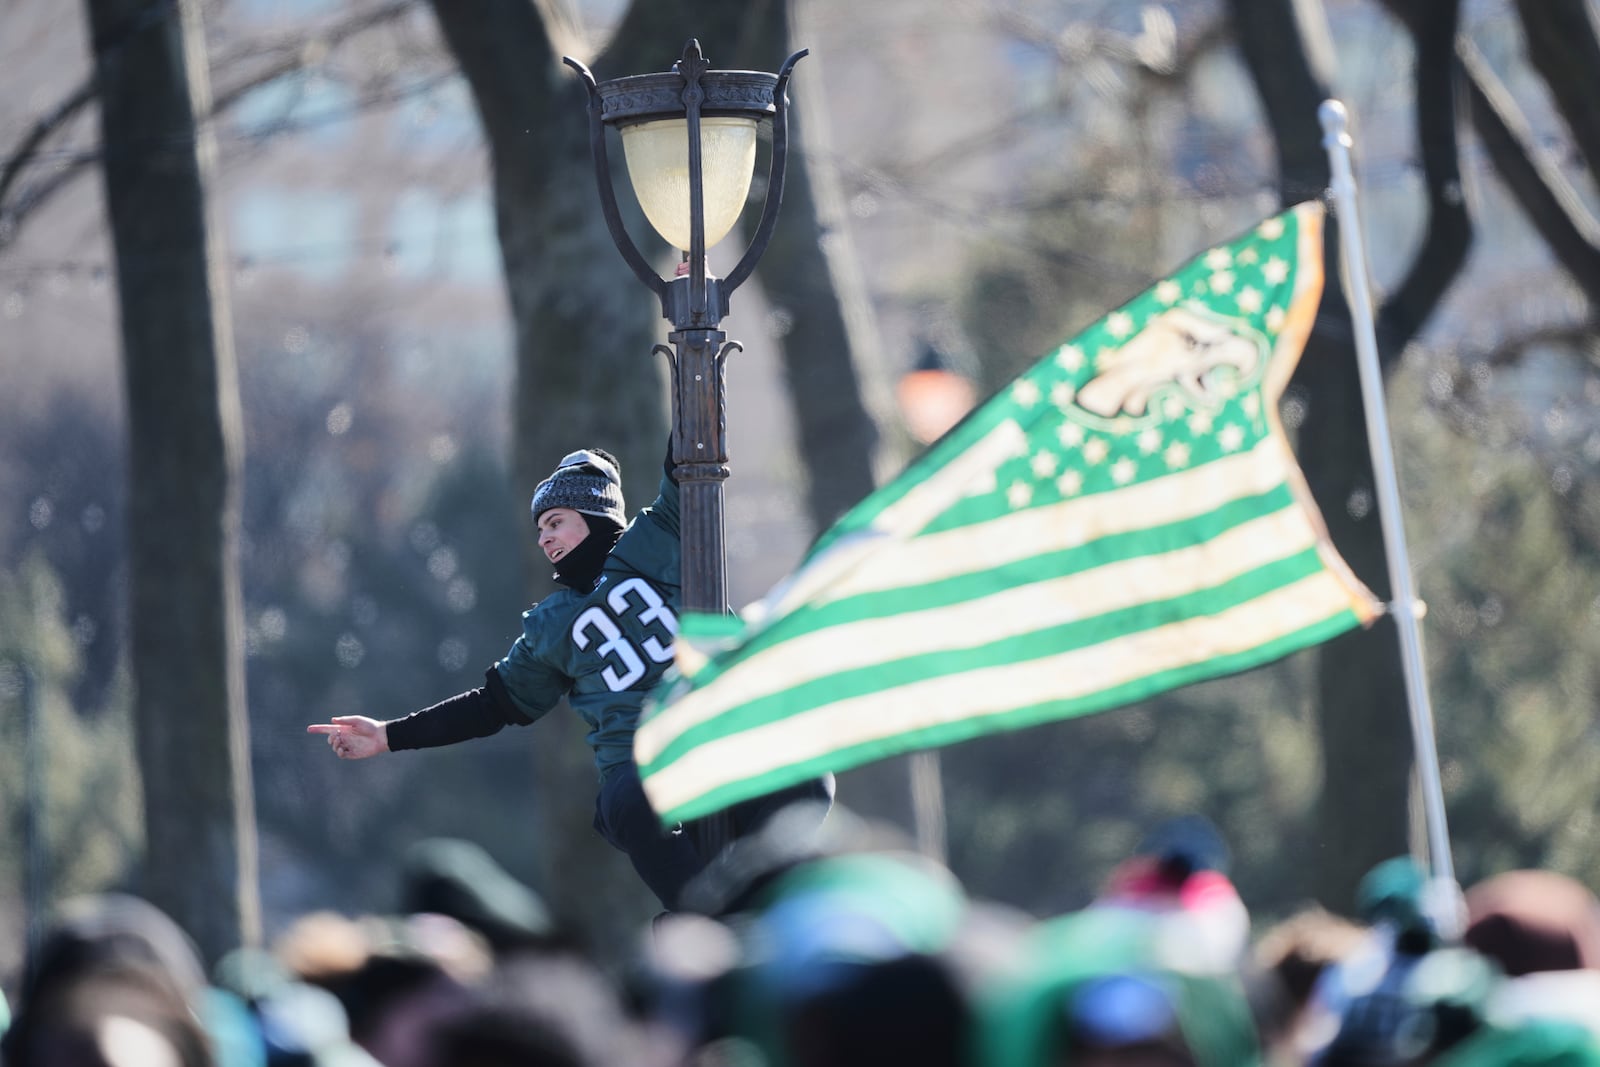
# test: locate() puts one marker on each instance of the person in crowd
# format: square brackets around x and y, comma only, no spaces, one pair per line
[1542,929]
[602,640]
[1287,962]
[1101,988]
[848,963]
[837,947]
[115,983]
[459,879]
[1406,996]
[548,1011]
[397,979]
[270,1018]
[1177,876]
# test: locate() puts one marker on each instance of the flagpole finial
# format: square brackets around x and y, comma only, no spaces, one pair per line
[1335,121]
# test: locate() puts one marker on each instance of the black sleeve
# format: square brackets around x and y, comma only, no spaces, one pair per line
[667,464]
[475,713]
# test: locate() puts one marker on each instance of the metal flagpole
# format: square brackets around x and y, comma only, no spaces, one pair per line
[1405,607]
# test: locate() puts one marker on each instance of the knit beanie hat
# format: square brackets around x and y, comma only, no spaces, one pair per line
[588,481]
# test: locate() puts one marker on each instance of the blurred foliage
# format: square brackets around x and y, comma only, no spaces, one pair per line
[383,573]
[86,809]
[1513,634]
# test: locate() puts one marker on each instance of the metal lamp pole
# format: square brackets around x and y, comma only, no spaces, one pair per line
[699,102]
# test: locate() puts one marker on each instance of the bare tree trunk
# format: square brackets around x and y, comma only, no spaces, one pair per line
[1361,705]
[825,348]
[1564,45]
[183,521]
[584,325]
[1547,198]
[584,374]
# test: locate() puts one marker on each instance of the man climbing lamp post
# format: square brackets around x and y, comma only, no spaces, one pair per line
[689,140]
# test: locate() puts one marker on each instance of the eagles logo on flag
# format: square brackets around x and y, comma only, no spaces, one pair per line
[1124,518]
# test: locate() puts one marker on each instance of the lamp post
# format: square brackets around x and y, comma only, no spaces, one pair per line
[689,140]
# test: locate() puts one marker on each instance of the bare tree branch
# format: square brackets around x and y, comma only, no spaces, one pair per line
[1449,229]
[286,59]
[48,124]
[301,53]
[1289,91]
[1549,200]
[1508,351]
[1157,50]
[1564,47]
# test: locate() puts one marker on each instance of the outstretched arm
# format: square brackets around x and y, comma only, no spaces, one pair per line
[475,713]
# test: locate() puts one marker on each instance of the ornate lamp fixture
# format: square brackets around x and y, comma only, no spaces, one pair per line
[689,141]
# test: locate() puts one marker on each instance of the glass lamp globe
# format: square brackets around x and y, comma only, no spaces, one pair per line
[657,153]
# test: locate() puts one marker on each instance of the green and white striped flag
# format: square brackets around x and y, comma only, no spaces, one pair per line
[1124,518]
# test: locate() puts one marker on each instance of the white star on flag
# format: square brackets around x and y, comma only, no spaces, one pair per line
[1019,495]
[1070,482]
[1070,434]
[1168,291]
[1249,300]
[1150,441]
[1222,281]
[1025,393]
[1119,324]
[1123,470]
[1176,455]
[1275,316]
[1061,395]
[1230,438]
[1070,358]
[1095,452]
[1271,230]
[1219,259]
[1043,464]
[1275,271]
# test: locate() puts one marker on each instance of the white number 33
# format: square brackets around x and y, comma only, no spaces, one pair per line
[632,597]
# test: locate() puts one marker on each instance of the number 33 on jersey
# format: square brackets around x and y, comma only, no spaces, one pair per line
[631,629]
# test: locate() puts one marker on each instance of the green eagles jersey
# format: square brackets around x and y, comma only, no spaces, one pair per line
[606,649]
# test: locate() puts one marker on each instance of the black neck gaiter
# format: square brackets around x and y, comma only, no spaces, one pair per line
[580,568]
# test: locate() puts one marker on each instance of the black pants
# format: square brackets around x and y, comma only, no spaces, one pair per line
[667,859]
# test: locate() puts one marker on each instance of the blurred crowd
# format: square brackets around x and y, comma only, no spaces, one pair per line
[841,947]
